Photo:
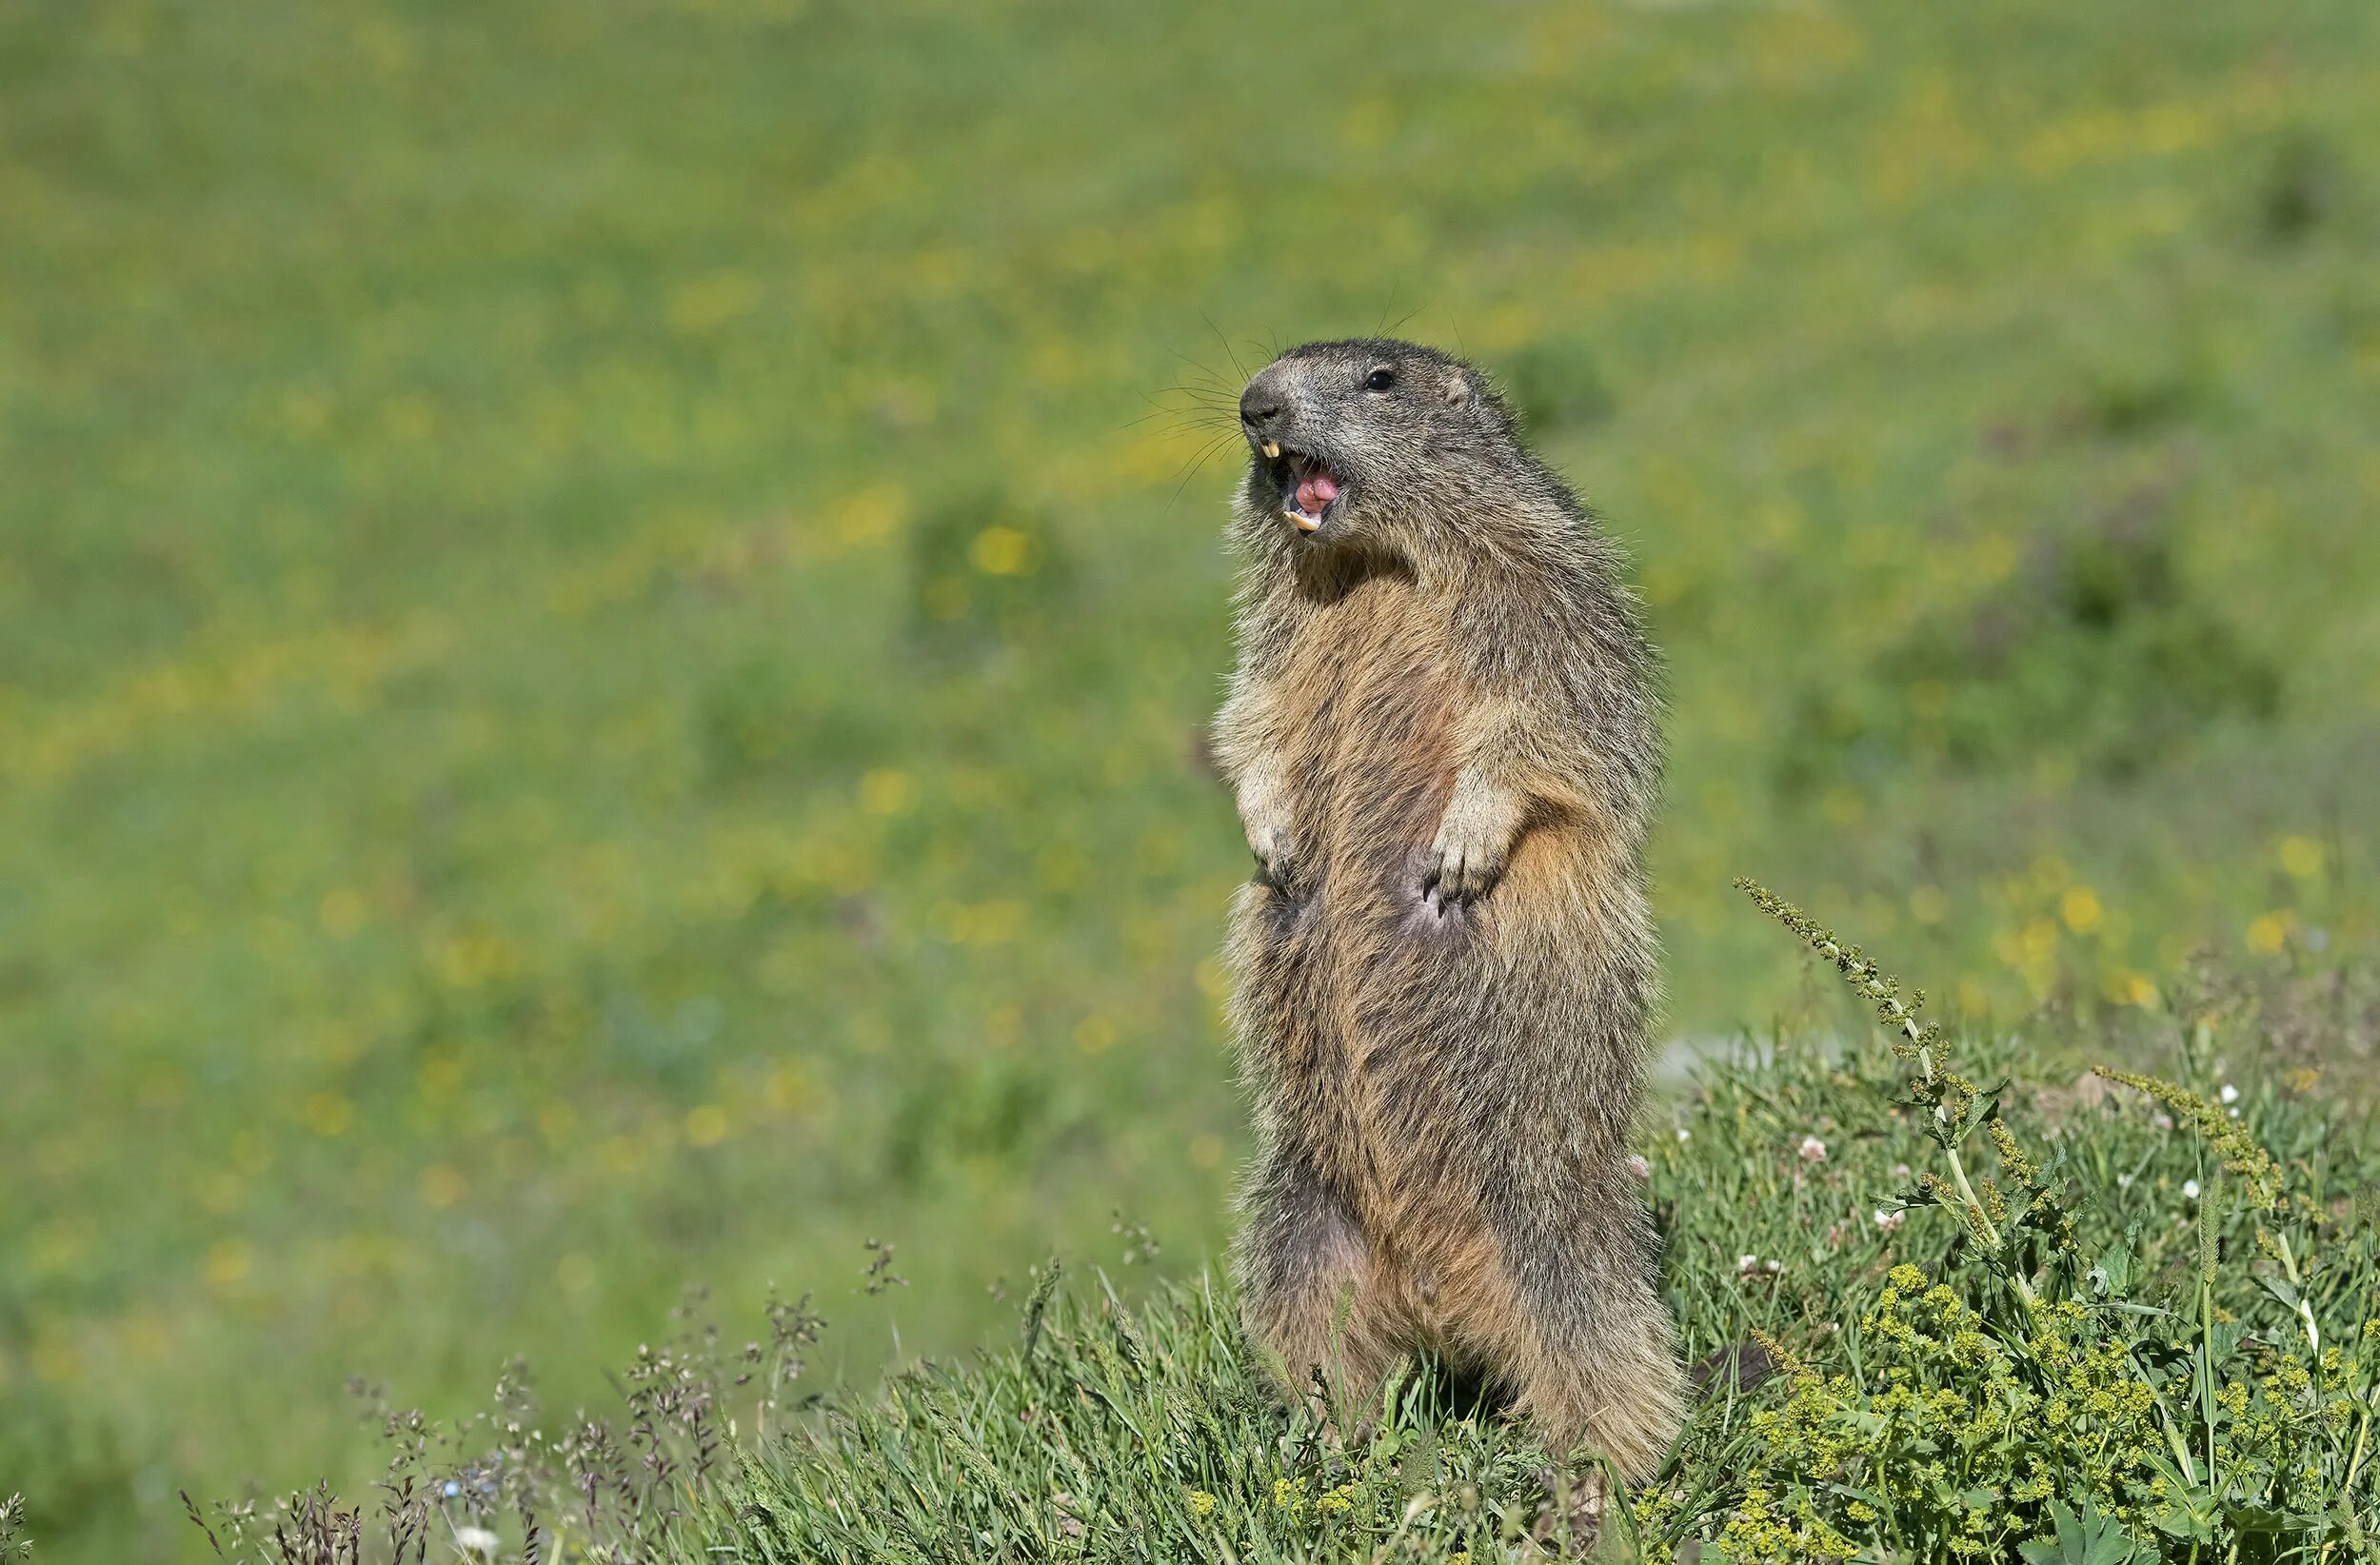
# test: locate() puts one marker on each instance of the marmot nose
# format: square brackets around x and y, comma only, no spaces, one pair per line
[1258,409]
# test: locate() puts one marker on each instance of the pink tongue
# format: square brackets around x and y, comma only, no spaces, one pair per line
[1316,492]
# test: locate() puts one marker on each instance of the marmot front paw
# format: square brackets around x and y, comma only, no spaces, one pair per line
[1263,813]
[1276,853]
[1466,861]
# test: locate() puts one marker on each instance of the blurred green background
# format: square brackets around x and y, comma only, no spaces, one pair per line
[598,686]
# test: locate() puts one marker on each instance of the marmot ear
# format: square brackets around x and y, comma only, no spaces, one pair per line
[1460,391]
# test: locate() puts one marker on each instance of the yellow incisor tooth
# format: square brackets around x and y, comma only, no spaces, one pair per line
[1271,451]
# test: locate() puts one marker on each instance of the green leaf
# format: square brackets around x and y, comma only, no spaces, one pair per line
[2114,1271]
[2226,1336]
[2085,1538]
[2264,1519]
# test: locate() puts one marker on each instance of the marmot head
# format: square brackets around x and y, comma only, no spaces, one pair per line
[1349,440]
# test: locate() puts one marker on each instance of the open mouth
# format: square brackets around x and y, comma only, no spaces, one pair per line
[1308,486]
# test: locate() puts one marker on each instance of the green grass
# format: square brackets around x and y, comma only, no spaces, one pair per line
[2134,1337]
[597,688]
[2067,1322]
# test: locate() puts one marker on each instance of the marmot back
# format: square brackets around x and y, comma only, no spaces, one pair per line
[1443,737]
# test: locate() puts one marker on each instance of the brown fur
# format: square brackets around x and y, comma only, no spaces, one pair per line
[1442,733]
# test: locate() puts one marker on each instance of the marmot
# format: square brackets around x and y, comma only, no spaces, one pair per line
[1443,737]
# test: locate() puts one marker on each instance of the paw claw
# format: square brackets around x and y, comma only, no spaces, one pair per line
[1457,878]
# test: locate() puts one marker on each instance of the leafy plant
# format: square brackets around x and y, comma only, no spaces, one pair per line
[2084,1538]
[2039,1361]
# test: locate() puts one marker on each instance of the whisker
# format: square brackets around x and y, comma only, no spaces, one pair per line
[1189,409]
[1226,342]
[1205,382]
[1206,454]
[1190,396]
[1181,423]
[1207,377]
[1199,401]
[1197,396]
[1205,446]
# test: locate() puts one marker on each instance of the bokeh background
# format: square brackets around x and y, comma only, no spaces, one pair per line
[606,609]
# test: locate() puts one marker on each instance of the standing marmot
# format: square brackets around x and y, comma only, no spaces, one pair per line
[1442,733]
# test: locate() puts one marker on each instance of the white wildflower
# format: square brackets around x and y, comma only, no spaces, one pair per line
[2229,1093]
[476,1542]
[2189,1190]
[1813,1150]
[1890,1221]
[2123,1181]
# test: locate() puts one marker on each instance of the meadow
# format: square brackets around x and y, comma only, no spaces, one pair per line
[2122,1319]
[606,613]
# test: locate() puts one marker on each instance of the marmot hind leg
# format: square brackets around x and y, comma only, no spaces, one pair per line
[1590,1356]
[1310,1299]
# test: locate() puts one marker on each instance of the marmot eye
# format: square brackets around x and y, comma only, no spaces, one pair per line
[1381,379]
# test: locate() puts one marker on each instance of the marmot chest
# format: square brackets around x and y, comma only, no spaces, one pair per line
[1369,702]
